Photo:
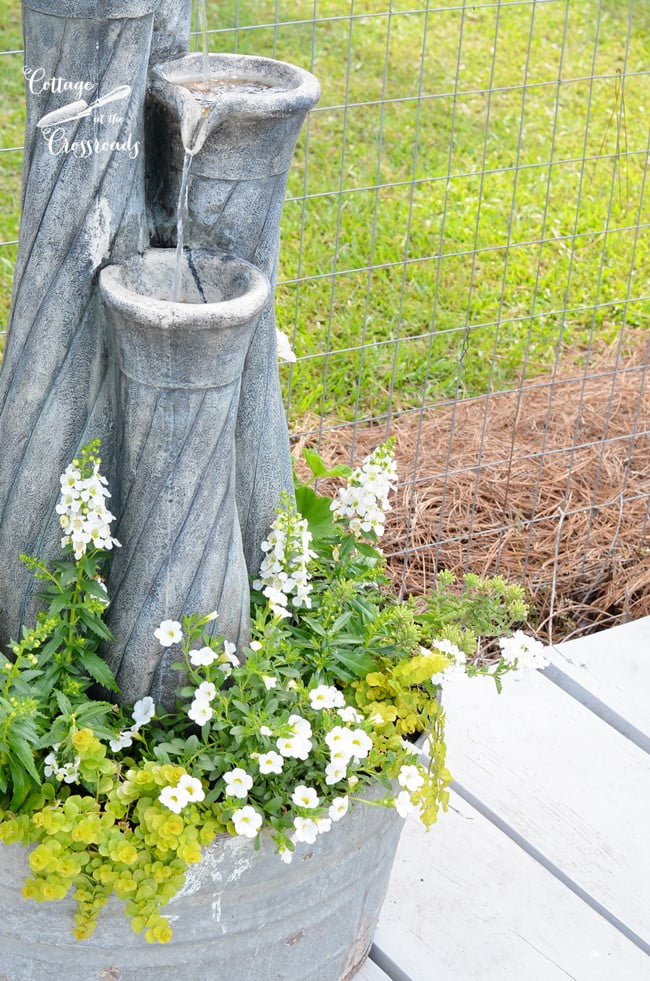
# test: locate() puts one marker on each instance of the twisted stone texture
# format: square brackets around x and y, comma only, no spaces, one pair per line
[243,146]
[83,202]
[180,375]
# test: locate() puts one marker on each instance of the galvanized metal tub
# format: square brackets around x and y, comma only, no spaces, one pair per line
[241,916]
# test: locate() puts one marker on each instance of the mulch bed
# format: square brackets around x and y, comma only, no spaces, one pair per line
[548,485]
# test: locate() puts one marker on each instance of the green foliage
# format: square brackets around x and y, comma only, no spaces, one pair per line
[338,677]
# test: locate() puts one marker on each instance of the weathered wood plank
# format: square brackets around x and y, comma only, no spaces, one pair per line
[466,904]
[611,667]
[563,779]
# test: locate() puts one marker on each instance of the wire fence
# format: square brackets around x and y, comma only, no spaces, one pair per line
[466,266]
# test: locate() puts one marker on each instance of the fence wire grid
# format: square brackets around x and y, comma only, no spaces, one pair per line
[465,266]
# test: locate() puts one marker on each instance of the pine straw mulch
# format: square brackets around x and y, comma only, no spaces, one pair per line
[548,485]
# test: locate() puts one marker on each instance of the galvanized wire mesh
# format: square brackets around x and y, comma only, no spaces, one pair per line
[466,230]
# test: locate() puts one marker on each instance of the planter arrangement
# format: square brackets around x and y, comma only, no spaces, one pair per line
[209,699]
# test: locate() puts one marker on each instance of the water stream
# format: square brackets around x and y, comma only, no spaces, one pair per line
[181,217]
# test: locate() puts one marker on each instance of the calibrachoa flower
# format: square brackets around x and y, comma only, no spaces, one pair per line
[410,778]
[203,657]
[175,798]
[228,659]
[284,576]
[238,782]
[269,681]
[200,712]
[305,829]
[403,804]
[169,632]
[83,515]
[524,651]
[349,714]
[325,697]
[338,808]
[270,762]
[363,503]
[305,797]
[68,773]
[192,786]
[247,821]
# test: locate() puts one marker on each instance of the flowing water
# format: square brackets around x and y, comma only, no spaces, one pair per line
[181,216]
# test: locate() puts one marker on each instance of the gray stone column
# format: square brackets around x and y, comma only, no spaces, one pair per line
[171,29]
[180,373]
[244,145]
[83,201]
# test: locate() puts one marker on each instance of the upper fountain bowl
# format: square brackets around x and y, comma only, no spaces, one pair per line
[233,85]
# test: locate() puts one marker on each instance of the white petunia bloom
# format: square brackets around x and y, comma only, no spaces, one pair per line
[175,798]
[169,632]
[294,747]
[360,744]
[265,731]
[270,762]
[123,741]
[143,711]
[286,855]
[338,808]
[403,804]
[247,821]
[335,772]
[203,657]
[200,711]
[305,829]
[238,782]
[324,825]
[350,714]
[305,797]
[300,727]
[410,778]
[206,690]
[523,651]
[326,697]
[269,681]
[192,787]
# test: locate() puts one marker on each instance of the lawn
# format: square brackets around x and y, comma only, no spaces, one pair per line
[467,201]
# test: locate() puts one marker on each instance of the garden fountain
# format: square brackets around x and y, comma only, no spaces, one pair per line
[168,354]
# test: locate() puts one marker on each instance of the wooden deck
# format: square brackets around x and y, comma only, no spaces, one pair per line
[540,870]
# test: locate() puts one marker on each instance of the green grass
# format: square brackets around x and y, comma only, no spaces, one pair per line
[485,296]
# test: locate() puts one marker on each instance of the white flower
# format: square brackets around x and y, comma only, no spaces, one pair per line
[203,657]
[410,778]
[123,741]
[270,762]
[339,741]
[299,726]
[265,731]
[360,744]
[206,691]
[403,804]
[350,714]
[200,712]
[324,825]
[338,808]
[294,747]
[269,681]
[169,632]
[255,645]
[364,501]
[305,829]
[83,513]
[284,347]
[325,697]
[523,651]
[175,798]
[284,573]
[335,772]
[143,711]
[305,797]
[238,782]
[286,855]
[192,787]
[247,821]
